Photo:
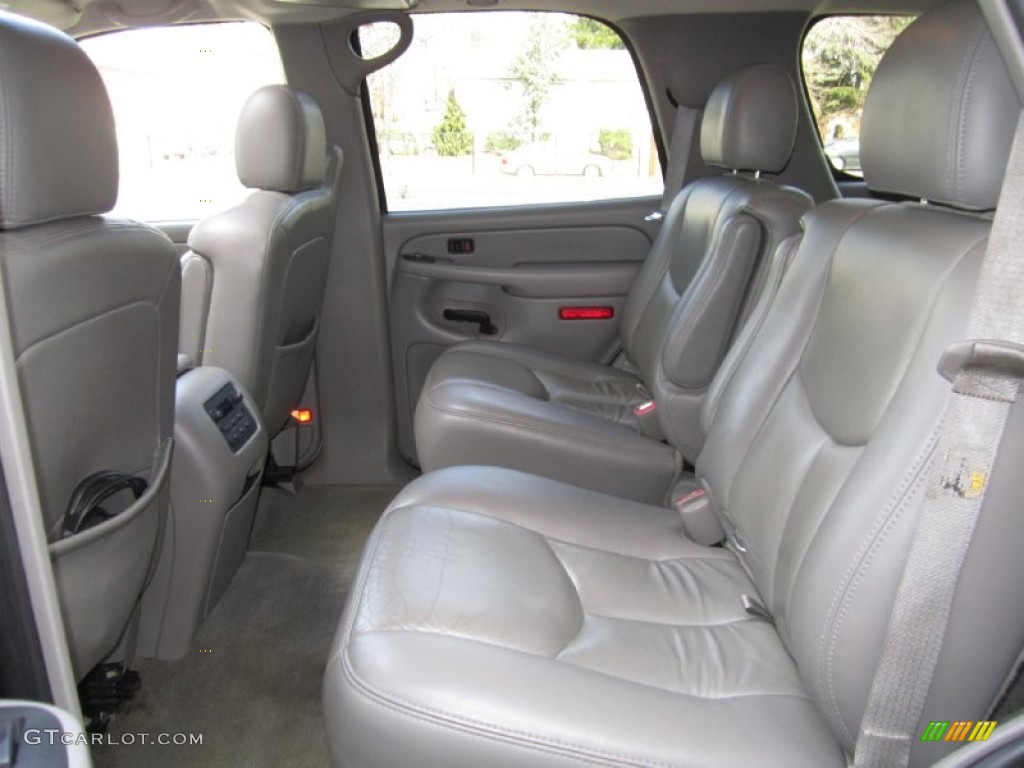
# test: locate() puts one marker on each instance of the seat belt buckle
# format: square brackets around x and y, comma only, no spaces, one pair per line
[646,414]
[988,354]
[700,523]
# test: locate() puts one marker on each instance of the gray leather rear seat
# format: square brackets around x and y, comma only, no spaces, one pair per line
[92,301]
[511,406]
[503,619]
[253,281]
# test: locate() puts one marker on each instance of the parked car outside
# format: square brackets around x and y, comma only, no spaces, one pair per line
[546,158]
[844,154]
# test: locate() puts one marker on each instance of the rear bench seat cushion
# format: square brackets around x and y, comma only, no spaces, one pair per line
[486,627]
[483,399]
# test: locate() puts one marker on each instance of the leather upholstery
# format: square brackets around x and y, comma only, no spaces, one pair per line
[503,619]
[196,289]
[488,403]
[816,451]
[59,152]
[281,141]
[510,620]
[254,277]
[517,408]
[957,160]
[93,305]
[699,285]
[750,120]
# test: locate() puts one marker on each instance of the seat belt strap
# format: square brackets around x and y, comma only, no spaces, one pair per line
[684,133]
[986,378]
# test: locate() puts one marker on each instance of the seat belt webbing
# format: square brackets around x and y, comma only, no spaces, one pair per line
[683,135]
[986,375]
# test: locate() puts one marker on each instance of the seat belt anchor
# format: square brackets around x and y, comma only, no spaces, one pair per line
[700,524]
[646,414]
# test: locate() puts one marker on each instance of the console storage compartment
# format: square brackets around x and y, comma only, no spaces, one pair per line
[219,453]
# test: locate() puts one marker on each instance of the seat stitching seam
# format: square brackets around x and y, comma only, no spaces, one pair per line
[412,505]
[755,321]
[708,625]
[453,721]
[468,380]
[513,353]
[857,570]
[956,170]
[576,591]
[75,324]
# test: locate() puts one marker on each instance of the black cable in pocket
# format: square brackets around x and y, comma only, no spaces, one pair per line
[84,510]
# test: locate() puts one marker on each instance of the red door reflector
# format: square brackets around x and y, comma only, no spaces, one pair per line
[586,313]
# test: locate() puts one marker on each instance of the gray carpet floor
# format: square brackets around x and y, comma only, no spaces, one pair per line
[251,684]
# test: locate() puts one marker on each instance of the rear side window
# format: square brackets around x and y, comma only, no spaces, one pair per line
[840,56]
[176,94]
[511,108]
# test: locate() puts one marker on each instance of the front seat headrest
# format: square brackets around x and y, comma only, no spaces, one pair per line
[281,141]
[59,148]
[940,114]
[750,120]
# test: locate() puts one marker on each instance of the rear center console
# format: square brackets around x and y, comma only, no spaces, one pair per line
[220,446]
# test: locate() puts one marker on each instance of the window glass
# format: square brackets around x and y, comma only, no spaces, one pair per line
[510,108]
[840,56]
[176,94]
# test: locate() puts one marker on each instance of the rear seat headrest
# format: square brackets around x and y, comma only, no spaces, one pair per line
[940,114]
[281,141]
[59,156]
[750,120]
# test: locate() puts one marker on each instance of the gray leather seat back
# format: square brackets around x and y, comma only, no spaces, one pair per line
[711,260]
[509,406]
[255,275]
[93,305]
[821,436]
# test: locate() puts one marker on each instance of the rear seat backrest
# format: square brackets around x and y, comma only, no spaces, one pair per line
[686,304]
[504,405]
[817,463]
[93,306]
[254,279]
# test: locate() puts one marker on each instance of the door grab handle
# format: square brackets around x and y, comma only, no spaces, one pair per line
[487,328]
[420,258]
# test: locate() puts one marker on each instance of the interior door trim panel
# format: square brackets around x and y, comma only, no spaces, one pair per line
[536,281]
[505,276]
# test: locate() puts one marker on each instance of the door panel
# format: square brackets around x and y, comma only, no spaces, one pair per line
[503,276]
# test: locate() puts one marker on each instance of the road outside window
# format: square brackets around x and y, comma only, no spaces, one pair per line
[840,56]
[176,94]
[511,108]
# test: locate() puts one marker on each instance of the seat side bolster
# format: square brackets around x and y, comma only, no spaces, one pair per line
[653,271]
[196,285]
[704,319]
[738,268]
